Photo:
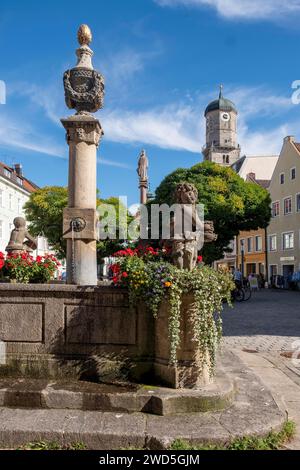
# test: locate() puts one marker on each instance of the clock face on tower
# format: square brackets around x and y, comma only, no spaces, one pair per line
[225,117]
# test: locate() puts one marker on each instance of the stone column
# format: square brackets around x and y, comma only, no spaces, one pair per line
[80,220]
[143,191]
[84,92]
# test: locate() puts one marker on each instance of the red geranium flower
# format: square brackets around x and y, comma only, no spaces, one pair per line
[125,274]
[200,259]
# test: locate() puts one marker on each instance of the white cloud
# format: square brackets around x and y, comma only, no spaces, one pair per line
[181,126]
[104,161]
[18,135]
[170,127]
[175,125]
[263,142]
[242,9]
[21,135]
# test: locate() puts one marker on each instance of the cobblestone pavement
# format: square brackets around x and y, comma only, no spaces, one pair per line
[270,321]
[263,332]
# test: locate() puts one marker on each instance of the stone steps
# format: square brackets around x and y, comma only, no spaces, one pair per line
[252,412]
[35,393]
[109,431]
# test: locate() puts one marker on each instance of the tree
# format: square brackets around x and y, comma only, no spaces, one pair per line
[232,203]
[108,247]
[44,212]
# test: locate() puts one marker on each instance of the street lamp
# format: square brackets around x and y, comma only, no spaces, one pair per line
[243,256]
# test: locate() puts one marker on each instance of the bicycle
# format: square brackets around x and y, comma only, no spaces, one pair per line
[238,294]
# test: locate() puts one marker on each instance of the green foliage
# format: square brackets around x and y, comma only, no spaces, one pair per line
[123,219]
[43,445]
[153,281]
[273,441]
[232,203]
[44,212]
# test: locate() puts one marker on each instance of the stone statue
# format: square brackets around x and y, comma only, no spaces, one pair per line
[186,236]
[143,164]
[16,244]
[84,86]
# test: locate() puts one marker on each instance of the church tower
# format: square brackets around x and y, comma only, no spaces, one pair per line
[221,132]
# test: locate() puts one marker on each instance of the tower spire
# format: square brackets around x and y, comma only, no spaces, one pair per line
[221,91]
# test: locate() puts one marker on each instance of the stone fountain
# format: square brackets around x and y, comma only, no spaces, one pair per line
[53,335]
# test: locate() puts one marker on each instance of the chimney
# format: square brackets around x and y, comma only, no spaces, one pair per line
[289,138]
[18,169]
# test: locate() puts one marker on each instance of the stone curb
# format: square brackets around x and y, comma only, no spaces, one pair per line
[25,393]
[254,413]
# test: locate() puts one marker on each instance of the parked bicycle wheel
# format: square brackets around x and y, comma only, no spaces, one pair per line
[247,293]
[238,294]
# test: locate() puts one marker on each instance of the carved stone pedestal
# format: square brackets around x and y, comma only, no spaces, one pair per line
[80,222]
[189,371]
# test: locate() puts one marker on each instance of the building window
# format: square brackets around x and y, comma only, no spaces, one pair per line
[298,202]
[281,178]
[272,242]
[258,243]
[10,201]
[1,197]
[288,241]
[249,245]
[19,206]
[7,173]
[275,209]
[1,229]
[273,270]
[19,181]
[287,205]
[293,173]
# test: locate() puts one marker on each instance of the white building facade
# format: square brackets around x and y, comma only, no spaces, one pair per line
[15,191]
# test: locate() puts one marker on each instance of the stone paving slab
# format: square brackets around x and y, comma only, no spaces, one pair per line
[269,321]
[285,388]
[254,412]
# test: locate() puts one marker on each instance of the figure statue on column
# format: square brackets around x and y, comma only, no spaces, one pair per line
[142,172]
[143,165]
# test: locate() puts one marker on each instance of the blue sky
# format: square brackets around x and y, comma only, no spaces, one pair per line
[163,61]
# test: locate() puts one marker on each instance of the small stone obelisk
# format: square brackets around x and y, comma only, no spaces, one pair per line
[84,92]
[142,171]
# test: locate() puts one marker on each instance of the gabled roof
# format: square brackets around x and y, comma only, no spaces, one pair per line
[263,183]
[297,145]
[26,184]
[262,166]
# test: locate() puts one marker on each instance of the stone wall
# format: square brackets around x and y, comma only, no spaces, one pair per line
[58,330]
[89,332]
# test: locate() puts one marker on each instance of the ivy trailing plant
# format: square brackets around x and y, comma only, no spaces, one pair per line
[148,275]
